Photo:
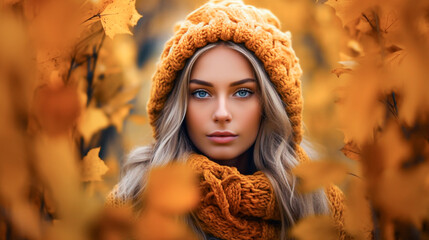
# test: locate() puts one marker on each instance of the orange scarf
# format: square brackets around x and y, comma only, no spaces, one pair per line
[235,206]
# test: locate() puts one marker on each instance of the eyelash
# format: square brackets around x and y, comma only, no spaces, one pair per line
[250,92]
[194,93]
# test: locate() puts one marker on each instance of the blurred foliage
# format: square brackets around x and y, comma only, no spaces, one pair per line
[73,91]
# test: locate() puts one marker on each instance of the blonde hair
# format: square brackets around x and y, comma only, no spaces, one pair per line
[273,151]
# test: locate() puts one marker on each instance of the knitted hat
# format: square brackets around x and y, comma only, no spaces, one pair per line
[228,20]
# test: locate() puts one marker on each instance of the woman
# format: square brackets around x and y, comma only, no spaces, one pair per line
[226,98]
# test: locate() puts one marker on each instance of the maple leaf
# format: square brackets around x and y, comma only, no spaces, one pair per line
[118,117]
[119,16]
[93,166]
[351,150]
[57,108]
[357,216]
[317,174]
[171,189]
[348,10]
[339,71]
[315,228]
[92,121]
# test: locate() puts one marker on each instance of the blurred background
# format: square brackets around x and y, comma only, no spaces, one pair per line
[75,77]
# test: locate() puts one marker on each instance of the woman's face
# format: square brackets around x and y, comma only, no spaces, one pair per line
[224,111]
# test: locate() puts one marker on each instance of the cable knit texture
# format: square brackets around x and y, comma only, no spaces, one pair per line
[258,29]
[235,206]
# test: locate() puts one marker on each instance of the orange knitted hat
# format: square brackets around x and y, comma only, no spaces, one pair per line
[231,20]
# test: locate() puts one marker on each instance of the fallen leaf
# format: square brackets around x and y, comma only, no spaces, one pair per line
[119,16]
[93,167]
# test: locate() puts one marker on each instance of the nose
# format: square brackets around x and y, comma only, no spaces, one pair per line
[221,113]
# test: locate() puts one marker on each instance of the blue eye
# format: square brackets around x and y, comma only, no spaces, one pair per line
[200,93]
[242,93]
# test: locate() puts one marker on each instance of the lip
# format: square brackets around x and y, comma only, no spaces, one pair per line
[222,136]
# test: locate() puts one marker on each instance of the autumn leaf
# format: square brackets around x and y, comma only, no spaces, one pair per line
[93,166]
[357,216]
[119,16]
[411,202]
[117,118]
[315,228]
[57,108]
[92,121]
[172,189]
[317,174]
[351,150]
[92,8]
[120,99]
[138,119]
[339,71]
[153,225]
[349,10]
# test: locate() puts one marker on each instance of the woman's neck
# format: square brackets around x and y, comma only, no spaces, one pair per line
[244,162]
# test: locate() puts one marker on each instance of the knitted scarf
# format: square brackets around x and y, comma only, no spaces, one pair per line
[235,206]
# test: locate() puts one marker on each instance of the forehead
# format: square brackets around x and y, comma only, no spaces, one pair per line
[222,63]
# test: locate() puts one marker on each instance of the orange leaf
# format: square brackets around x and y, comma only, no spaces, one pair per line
[351,150]
[348,10]
[93,166]
[357,216]
[119,16]
[340,70]
[317,174]
[172,189]
[315,228]
[118,117]
[92,121]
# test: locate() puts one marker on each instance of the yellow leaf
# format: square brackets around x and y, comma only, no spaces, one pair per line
[118,117]
[138,119]
[315,228]
[121,98]
[119,16]
[93,166]
[357,216]
[348,10]
[156,225]
[94,7]
[317,174]
[171,189]
[92,121]
[403,195]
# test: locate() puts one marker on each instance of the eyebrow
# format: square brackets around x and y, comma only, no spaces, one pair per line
[239,82]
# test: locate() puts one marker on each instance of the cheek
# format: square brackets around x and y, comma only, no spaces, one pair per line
[195,117]
[249,116]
